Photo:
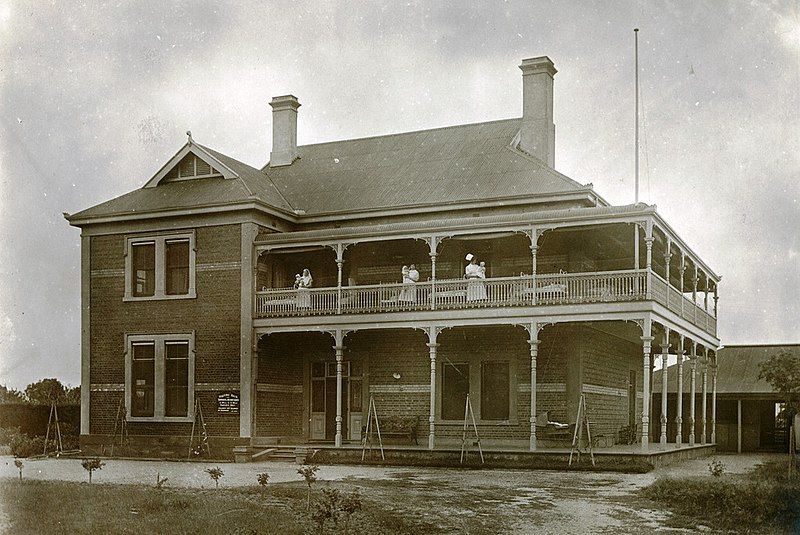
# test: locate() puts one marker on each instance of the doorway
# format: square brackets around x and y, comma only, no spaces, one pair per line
[323,400]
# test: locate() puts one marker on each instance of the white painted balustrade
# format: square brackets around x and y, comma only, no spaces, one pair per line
[570,288]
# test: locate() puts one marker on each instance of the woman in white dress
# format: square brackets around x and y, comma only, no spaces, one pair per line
[475,275]
[410,276]
[303,293]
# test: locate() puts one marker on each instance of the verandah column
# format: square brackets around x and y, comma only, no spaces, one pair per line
[704,370]
[648,240]
[432,345]
[682,269]
[679,409]
[339,263]
[664,367]
[714,400]
[647,340]
[693,389]
[339,348]
[433,244]
[534,343]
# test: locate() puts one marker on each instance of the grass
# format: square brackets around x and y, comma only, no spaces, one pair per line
[766,500]
[66,507]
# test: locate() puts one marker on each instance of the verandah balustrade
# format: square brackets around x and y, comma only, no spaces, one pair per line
[568,288]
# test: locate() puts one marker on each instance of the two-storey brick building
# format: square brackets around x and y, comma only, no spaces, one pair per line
[190,291]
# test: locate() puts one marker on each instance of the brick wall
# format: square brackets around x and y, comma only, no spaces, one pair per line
[213,315]
[606,363]
[282,399]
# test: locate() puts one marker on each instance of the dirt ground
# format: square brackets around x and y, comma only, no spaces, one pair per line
[489,501]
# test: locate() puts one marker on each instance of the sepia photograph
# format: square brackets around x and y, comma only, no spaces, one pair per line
[377,267]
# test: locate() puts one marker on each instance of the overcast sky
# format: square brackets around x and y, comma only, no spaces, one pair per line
[94,98]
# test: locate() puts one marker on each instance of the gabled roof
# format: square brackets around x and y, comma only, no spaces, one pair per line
[737,369]
[239,183]
[444,165]
[466,163]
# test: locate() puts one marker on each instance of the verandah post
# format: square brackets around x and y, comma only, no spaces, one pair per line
[714,400]
[339,348]
[339,264]
[693,389]
[648,240]
[432,345]
[664,385]
[647,340]
[704,369]
[679,417]
[534,343]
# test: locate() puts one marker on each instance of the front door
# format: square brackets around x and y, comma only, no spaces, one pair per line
[323,400]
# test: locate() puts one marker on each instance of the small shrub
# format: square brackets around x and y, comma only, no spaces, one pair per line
[326,508]
[90,465]
[6,434]
[349,505]
[19,466]
[716,467]
[309,473]
[215,473]
[263,479]
[160,480]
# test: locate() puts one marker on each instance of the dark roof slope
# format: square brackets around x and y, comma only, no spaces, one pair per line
[471,162]
[737,370]
[459,163]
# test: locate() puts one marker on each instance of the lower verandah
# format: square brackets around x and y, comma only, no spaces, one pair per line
[296,399]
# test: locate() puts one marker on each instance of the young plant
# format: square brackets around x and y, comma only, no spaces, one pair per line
[19,466]
[90,465]
[309,473]
[327,508]
[263,479]
[215,473]
[160,480]
[349,505]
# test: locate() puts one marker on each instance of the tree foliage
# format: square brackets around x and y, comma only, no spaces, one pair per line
[9,395]
[46,391]
[782,372]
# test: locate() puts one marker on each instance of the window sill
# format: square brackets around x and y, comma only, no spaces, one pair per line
[128,298]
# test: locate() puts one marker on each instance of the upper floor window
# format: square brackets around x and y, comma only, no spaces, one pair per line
[159,372]
[160,267]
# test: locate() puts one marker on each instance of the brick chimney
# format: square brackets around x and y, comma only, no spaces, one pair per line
[538,133]
[284,130]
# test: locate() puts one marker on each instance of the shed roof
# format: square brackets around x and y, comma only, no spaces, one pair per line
[737,369]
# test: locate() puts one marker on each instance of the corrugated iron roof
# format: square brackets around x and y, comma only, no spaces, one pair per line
[473,162]
[457,163]
[737,370]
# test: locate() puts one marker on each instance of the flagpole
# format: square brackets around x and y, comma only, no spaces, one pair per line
[636,135]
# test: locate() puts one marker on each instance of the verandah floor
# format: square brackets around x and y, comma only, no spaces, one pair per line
[623,458]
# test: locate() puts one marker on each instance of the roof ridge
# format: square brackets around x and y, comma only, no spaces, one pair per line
[409,132]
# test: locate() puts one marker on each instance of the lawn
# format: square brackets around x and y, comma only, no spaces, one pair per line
[766,500]
[387,507]
[63,507]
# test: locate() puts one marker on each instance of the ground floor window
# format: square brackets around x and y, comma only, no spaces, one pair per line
[489,383]
[160,377]
[455,387]
[494,390]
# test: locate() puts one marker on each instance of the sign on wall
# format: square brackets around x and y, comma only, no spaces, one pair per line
[228,403]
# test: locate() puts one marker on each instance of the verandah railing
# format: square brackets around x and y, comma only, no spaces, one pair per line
[550,289]
[680,304]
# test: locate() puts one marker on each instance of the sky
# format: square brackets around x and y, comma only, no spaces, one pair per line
[96,97]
